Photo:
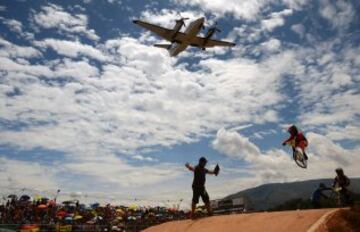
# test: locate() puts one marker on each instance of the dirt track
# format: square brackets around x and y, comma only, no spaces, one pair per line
[294,221]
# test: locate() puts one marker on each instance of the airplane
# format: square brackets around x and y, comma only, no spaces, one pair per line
[181,40]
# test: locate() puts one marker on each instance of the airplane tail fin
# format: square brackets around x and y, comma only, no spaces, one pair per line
[166,46]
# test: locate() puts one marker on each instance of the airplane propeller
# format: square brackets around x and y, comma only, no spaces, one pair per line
[212,30]
[181,20]
[215,28]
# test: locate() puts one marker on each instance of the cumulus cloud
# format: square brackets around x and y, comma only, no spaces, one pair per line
[233,144]
[71,48]
[271,45]
[339,13]
[9,49]
[248,9]
[14,25]
[276,19]
[299,29]
[277,165]
[350,131]
[54,16]
[167,17]
[27,174]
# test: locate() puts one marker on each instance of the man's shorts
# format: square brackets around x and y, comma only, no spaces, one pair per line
[200,192]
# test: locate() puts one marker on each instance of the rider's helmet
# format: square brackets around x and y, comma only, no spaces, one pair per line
[202,161]
[293,130]
[339,171]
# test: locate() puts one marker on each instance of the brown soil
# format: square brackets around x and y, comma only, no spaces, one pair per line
[344,220]
[285,221]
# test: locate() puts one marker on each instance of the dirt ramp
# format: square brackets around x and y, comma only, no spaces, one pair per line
[285,221]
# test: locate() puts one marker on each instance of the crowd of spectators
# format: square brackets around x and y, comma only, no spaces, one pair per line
[43,214]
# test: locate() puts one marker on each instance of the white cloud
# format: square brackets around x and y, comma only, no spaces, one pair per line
[27,174]
[110,173]
[12,50]
[167,17]
[339,13]
[71,48]
[278,166]
[54,16]
[17,27]
[247,9]
[114,2]
[235,145]
[351,131]
[14,25]
[296,4]
[299,29]
[275,20]
[271,45]
[130,92]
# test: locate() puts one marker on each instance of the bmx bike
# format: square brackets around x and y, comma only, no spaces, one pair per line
[340,198]
[298,155]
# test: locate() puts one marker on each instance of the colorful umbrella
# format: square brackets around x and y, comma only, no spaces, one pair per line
[95,205]
[120,212]
[78,217]
[42,206]
[133,207]
[68,202]
[24,198]
[29,228]
[61,214]
[37,197]
[12,196]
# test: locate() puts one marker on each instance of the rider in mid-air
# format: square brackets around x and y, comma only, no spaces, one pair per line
[198,185]
[299,138]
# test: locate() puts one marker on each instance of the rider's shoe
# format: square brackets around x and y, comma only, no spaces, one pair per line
[305,156]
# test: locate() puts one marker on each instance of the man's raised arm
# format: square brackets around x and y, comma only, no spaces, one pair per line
[191,168]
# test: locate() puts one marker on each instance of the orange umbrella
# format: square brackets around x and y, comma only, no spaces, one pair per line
[29,228]
[61,214]
[42,206]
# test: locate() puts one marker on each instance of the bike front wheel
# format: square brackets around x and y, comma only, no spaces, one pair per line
[300,159]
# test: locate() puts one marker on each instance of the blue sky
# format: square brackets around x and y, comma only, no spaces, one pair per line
[89,106]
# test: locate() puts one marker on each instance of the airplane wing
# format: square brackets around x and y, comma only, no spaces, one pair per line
[202,42]
[161,31]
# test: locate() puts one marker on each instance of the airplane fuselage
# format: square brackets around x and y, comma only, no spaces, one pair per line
[191,31]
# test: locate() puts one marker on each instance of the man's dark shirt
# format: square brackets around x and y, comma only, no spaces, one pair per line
[199,177]
[342,181]
[318,194]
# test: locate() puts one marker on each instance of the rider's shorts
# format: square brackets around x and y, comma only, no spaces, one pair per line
[302,144]
[200,192]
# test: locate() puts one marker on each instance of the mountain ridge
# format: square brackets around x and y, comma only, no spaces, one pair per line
[270,195]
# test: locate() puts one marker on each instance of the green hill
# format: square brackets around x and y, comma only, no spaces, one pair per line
[268,196]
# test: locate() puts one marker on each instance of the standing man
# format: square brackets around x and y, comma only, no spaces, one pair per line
[318,195]
[198,185]
[342,181]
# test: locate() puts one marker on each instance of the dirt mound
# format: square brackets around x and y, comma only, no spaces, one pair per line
[344,220]
[295,221]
